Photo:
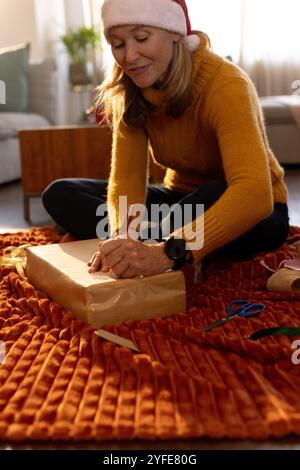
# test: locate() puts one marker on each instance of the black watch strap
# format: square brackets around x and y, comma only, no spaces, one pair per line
[176,250]
[178,264]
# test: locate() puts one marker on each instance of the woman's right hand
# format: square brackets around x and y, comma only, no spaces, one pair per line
[97,261]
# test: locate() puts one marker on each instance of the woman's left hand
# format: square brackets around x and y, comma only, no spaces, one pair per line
[129,258]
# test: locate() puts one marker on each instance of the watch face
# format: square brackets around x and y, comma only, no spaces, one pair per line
[175,248]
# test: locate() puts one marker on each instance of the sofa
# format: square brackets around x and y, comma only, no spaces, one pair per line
[42,112]
[282,126]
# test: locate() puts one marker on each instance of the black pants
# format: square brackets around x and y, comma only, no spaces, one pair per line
[72,203]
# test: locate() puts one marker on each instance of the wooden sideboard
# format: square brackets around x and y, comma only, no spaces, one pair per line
[66,152]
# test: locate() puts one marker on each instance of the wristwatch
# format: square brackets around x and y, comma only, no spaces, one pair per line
[176,250]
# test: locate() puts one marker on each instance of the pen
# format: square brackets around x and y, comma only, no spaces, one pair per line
[124,229]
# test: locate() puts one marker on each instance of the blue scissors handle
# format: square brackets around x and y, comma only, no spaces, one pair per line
[245,309]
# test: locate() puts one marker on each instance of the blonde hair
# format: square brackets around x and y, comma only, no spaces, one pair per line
[131,107]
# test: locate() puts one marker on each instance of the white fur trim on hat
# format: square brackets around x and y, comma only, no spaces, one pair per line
[165,14]
[192,41]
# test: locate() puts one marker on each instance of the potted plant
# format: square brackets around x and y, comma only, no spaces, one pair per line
[80,44]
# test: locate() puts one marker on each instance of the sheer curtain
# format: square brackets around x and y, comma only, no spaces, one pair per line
[221,20]
[270,44]
[262,36]
[106,57]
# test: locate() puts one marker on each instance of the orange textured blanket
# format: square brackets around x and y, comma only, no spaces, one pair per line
[59,381]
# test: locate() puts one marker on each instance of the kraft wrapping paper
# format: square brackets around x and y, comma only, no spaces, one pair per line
[285,280]
[61,271]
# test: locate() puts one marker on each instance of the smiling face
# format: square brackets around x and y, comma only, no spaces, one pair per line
[144,53]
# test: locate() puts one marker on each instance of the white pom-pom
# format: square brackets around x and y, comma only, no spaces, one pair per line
[192,41]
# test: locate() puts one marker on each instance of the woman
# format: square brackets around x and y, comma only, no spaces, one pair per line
[199,115]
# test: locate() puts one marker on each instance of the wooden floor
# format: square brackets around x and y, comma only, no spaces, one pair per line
[11,209]
[11,205]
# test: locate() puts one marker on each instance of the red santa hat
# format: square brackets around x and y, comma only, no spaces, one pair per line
[171,15]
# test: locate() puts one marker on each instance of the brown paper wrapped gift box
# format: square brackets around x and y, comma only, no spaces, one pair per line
[61,271]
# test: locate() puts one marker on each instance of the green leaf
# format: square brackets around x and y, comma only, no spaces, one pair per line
[80,43]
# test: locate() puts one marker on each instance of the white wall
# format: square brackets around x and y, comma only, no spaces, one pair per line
[18,24]
[39,22]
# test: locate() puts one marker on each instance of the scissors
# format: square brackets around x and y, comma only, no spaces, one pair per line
[241,308]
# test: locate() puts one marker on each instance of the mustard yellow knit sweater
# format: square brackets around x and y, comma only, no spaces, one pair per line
[220,136]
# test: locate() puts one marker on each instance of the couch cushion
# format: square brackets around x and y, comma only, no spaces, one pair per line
[275,111]
[11,123]
[14,73]
[43,89]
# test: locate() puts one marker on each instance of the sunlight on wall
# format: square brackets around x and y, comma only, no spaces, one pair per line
[221,21]
[250,30]
[271,31]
